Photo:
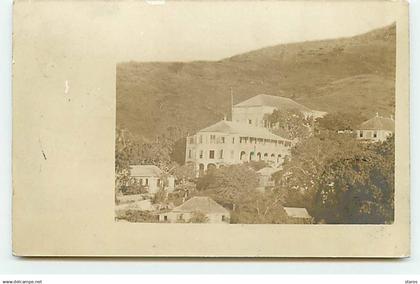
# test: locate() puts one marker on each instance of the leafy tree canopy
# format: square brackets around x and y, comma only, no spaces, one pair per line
[235,187]
[291,124]
[340,121]
[340,180]
[357,189]
[229,184]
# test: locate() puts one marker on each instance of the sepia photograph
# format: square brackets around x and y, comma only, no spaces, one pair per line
[291,133]
[211,129]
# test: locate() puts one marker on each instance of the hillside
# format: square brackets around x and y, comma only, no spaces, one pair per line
[355,74]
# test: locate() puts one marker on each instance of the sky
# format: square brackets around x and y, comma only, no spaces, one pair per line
[211,31]
[201,30]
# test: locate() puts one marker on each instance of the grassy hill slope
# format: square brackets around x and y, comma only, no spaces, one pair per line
[355,74]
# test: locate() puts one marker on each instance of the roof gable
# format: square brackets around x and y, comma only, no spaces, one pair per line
[202,204]
[145,171]
[378,123]
[296,212]
[280,103]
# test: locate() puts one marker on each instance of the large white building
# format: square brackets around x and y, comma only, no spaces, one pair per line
[228,143]
[246,138]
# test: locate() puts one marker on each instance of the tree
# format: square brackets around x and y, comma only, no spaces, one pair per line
[160,197]
[164,150]
[291,123]
[299,178]
[228,185]
[154,153]
[133,186]
[177,153]
[340,121]
[123,151]
[185,179]
[260,208]
[358,188]
[235,187]
[184,173]
[340,180]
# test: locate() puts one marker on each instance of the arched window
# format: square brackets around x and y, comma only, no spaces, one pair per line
[243,156]
[211,167]
[259,156]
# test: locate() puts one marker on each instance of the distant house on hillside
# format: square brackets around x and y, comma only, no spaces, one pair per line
[253,110]
[152,178]
[376,129]
[207,207]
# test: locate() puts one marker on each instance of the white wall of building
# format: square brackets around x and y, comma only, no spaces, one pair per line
[373,135]
[219,149]
[178,217]
[251,115]
[151,183]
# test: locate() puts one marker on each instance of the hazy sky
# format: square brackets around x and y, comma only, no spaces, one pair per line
[183,31]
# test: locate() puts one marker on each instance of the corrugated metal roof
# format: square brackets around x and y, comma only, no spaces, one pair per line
[378,123]
[145,171]
[229,127]
[280,103]
[202,204]
[273,101]
[296,212]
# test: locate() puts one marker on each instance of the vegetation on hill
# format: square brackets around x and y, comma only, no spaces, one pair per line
[355,74]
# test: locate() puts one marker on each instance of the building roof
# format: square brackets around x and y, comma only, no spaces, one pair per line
[280,103]
[202,204]
[378,123]
[145,171]
[230,127]
[296,212]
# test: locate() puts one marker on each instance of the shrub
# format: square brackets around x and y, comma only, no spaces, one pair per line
[139,216]
[133,189]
